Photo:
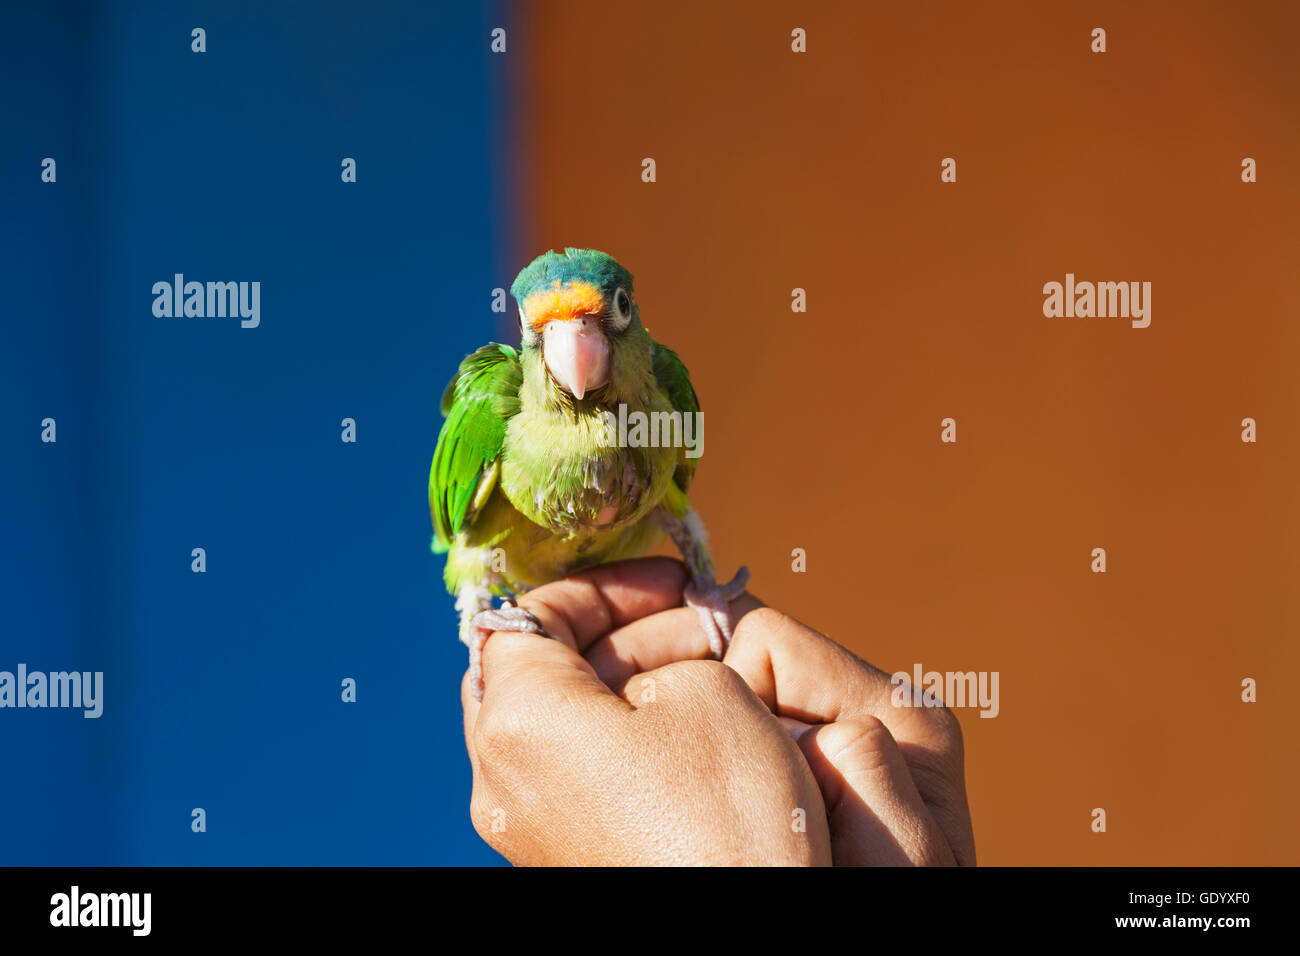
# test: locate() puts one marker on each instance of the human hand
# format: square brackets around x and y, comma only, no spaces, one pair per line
[674,763]
[892,777]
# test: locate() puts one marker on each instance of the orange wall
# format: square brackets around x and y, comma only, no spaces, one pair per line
[775,170]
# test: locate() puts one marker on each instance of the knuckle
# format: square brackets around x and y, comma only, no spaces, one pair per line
[703,674]
[945,727]
[857,744]
[867,727]
[480,813]
[935,723]
[712,672]
[760,622]
[501,732]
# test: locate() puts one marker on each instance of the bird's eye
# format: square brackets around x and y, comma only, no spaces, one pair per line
[622,309]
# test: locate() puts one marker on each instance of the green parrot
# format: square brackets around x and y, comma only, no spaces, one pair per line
[532,480]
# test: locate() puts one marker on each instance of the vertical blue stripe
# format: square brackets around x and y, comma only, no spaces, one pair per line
[223,689]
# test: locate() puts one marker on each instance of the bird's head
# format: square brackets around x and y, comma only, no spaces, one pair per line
[576,307]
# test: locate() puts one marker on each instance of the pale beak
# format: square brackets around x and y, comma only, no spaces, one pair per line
[577,353]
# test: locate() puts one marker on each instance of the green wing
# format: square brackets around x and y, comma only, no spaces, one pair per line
[478,403]
[673,380]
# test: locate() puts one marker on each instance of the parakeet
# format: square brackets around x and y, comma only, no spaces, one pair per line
[530,483]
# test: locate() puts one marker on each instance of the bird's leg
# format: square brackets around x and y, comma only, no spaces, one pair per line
[507,617]
[712,601]
[470,600]
[477,627]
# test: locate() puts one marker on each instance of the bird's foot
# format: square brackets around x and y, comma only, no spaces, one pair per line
[712,602]
[507,617]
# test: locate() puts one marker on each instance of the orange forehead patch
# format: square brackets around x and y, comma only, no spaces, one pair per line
[563,302]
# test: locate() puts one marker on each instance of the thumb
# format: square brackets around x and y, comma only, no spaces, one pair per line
[876,815]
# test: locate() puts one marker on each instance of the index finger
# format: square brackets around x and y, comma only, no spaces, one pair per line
[576,611]
[584,607]
[803,674]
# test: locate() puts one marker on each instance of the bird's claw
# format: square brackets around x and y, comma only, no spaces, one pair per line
[712,602]
[507,617]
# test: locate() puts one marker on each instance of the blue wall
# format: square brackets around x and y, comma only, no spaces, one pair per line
[222,689]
